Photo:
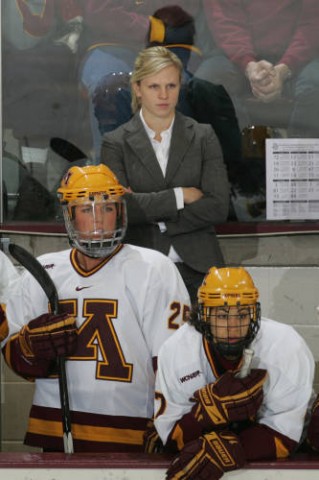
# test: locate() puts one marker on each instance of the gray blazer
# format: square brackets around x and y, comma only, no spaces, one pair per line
[195,160]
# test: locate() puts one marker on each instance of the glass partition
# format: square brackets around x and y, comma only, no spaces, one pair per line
[251,71]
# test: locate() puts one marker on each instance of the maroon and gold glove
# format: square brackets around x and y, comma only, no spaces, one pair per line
[207,458]
[49,336]
[152,442]
[4,330]
[313,428]
[229,399]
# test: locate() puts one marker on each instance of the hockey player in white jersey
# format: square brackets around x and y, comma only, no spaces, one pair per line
[204,409]
[120,302]
[8,279]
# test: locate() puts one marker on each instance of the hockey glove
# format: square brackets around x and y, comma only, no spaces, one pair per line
[207,458]
[229,399]
[49,336]
[4,330]
[313,428]
[152,442]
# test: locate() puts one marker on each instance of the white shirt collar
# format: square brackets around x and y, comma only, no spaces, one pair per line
[151,133]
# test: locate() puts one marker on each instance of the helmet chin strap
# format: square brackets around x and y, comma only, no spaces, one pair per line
[97,249]
[231,350]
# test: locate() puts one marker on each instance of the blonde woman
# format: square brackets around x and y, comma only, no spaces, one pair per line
[173,169]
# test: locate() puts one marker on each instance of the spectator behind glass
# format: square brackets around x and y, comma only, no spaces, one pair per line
[173,168]
[270,50]
[39,73]
[174,28]
[169,26]
[213,411]
[114,34]
[40,94]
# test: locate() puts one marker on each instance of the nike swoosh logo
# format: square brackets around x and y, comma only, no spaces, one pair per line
[78,289]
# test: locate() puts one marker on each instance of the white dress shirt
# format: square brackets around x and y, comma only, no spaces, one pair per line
[161,149]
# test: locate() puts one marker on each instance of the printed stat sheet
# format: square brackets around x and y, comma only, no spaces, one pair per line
[292,179]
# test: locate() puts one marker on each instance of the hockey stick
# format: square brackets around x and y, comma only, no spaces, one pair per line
[66,149]
[247,359]
[30,263]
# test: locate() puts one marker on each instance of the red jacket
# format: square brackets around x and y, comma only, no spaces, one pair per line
[281,31]
[108,21]
[125,21]
[39,21]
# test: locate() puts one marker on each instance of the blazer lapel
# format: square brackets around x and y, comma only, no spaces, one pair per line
[182,135]
[139,142]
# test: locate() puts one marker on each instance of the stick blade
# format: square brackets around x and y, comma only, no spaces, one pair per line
[68,443]
[66,149]
[30,263]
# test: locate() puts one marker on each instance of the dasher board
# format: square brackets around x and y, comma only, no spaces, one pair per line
[133,466]
[147,474]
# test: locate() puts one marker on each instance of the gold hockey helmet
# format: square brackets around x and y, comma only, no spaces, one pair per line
[83,182]
[96,187]
[222,290]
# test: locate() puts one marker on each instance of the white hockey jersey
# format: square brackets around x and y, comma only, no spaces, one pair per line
[184,366]
[125,309]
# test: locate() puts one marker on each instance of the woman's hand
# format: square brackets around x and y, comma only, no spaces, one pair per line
[192,194]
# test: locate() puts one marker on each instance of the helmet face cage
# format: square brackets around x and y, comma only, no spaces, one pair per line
[222,325]
[93,209]
[97,240]
[228,313]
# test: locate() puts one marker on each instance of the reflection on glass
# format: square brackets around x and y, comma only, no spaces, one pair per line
[251,70]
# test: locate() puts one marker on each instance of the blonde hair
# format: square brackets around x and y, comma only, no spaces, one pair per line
[149,62]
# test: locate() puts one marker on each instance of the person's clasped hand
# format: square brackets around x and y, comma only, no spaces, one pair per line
[259,73]
[266,80]
[191,194]
[49,336]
